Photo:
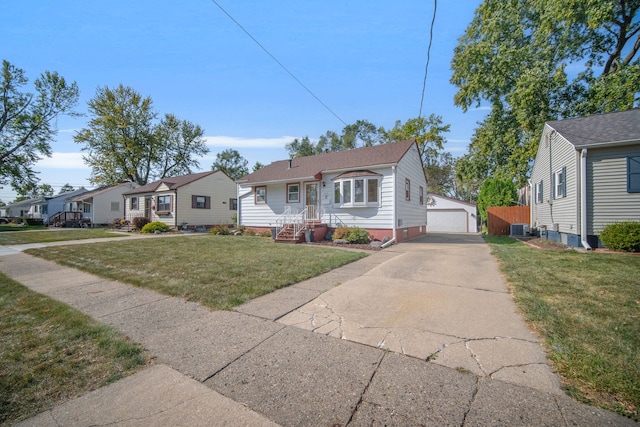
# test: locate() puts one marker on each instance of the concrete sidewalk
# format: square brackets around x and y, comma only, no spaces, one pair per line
[392,310]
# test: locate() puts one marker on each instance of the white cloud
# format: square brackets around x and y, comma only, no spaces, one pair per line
[237,142]
[62,161]
[481,108]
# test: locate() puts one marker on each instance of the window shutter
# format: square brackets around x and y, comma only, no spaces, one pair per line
[564,181]
[553,185]
[207,202]
[194,202]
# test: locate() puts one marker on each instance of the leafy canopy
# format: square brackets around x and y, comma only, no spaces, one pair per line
[124,142]
[27,122]
[534,61]
[232,163]
[496,192]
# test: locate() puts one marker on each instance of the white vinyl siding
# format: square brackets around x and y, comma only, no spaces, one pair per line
[607,198]
[410,213]
[555,154]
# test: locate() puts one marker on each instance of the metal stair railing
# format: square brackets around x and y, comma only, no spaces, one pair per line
[291,219]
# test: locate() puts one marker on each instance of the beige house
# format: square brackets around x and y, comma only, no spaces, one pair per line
[190,201]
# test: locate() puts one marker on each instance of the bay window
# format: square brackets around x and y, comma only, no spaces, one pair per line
[356,190]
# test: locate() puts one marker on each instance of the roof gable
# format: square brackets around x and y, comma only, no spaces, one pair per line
[170,183]
[601,129]
[312,166]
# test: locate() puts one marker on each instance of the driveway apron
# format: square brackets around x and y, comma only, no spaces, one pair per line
[441,298]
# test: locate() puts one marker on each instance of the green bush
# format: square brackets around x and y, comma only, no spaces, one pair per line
[152,227]
[622,236]
[352,234]
[221,230]
[139,222]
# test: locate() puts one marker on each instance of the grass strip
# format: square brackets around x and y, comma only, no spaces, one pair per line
[53,235]
[50,353]
[586,307]
[219,272]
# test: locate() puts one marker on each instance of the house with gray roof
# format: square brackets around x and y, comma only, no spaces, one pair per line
[586,175]
[382,189]
[197,200]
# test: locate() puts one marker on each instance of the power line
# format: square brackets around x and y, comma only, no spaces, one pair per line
[426,68]
[278,62]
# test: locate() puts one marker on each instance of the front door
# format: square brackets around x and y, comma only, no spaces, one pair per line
[147,207]
[311,200]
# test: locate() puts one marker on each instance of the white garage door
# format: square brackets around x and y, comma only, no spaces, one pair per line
[447,220]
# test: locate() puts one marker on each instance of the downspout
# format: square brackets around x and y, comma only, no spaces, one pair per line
[583,198]
[395,202]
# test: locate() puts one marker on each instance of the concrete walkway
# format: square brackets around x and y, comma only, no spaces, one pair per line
[421,333]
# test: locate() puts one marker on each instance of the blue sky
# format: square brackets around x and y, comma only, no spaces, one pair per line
[363,59]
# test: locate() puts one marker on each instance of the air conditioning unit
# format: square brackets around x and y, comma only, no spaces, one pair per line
[519,230]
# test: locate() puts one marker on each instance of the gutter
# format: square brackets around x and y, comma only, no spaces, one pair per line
[395,203]
[583,198]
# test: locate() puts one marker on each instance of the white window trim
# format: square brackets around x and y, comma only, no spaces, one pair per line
[559,185]
[365,189]
[296,193]
[538,193]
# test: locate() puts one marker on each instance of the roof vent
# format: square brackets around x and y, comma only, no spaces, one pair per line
[290,161]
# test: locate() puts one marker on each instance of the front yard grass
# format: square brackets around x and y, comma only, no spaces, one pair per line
[586,307]
[53,235]
[219,272]
[50,353]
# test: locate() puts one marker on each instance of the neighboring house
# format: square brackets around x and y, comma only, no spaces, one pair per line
[197,200]
[380,188]
[101,206]
[445,214]
[20,209]
[586,175]
[46,208]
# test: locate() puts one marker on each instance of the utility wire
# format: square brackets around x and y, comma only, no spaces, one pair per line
[278,62]
[426,68]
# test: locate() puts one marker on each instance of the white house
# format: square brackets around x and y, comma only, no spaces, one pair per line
[586,175]
[101,206]
[445,214]
[197,200]
[381,189]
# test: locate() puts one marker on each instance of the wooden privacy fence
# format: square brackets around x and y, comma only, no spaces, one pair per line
[500,218]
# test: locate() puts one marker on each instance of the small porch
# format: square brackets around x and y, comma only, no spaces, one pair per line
[299,227]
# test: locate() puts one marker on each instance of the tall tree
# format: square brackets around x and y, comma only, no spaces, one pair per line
[180,143]
[232,163]
[124,143]
[515,55]
[300,147]
[66,188]
[428,133]
[27,122]
[35,191]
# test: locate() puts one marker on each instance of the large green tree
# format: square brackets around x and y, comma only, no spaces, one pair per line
[124,142]
[27,122]
[232,163]
[496,192]
[534,61]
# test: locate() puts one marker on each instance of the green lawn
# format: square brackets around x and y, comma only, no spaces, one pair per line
[586,307]
[219,272]
[50,353]
[52,235]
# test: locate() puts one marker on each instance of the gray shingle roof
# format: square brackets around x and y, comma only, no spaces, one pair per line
[312,166]
[172,182]
[601,129]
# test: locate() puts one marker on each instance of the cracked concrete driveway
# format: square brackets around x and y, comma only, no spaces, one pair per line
[439,298]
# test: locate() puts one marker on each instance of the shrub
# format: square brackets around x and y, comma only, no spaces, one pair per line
[265,233]
[352,234]
[222,230]
[152,227]
[139,222]
[622,236]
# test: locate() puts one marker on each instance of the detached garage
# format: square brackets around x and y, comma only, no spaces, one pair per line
[445,214]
